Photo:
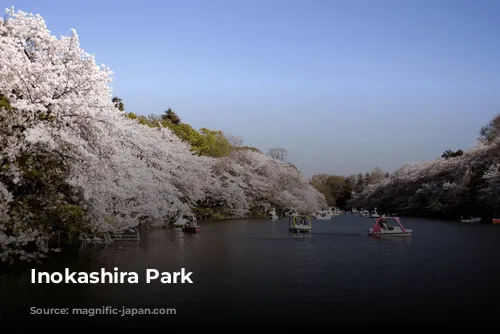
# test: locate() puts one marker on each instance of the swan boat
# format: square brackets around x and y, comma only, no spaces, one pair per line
[374,214]
[181,222]
[292,213]
[471,220]
[273,215]
[187,224]
[323,214]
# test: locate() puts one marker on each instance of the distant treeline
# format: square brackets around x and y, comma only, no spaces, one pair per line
[338,190]
[456,184]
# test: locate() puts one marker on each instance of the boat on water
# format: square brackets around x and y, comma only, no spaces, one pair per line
[382,228]
[182,221]
[336,212]
[364,214]
[374,213]
[179,223]
[187,224]
[273,215]
[300,224]
[191,229]
[323,214]
[496,221]
[471,220]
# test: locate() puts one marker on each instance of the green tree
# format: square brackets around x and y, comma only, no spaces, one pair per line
[247,148]
[215,143]
[188,134]
[336,185]
[360,183]
[366,179]
[118,103]
[319,181]
[171,116]
[451,154]
[4,103]
[346,192]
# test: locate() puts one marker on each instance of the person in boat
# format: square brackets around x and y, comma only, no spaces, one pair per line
[383,222]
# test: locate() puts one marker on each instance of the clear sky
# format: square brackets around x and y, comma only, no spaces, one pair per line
[343,85]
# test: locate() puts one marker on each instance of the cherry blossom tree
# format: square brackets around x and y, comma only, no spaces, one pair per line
[465,184]
[278,153]
[72,162]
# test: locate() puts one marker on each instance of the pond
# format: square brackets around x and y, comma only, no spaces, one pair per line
[254,273]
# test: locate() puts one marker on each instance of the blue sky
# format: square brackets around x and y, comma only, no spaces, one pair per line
[343,85]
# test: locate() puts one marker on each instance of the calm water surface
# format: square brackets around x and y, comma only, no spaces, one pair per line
[253,273]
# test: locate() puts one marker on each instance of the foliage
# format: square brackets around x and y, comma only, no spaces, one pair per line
[4,103]
[73,161]
[171,116]
[451,154]
[205,142]
[338,190]
[118,103]
[456,184]
[249,148]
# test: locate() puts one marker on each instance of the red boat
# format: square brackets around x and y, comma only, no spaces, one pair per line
[382,228]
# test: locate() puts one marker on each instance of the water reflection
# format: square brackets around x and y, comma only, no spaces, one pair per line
[306,237]
[177,236]
[242,225]
[407,241]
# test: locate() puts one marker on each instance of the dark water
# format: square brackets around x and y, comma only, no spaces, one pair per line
[252,273]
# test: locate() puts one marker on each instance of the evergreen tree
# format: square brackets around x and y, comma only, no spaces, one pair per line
[171,116]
